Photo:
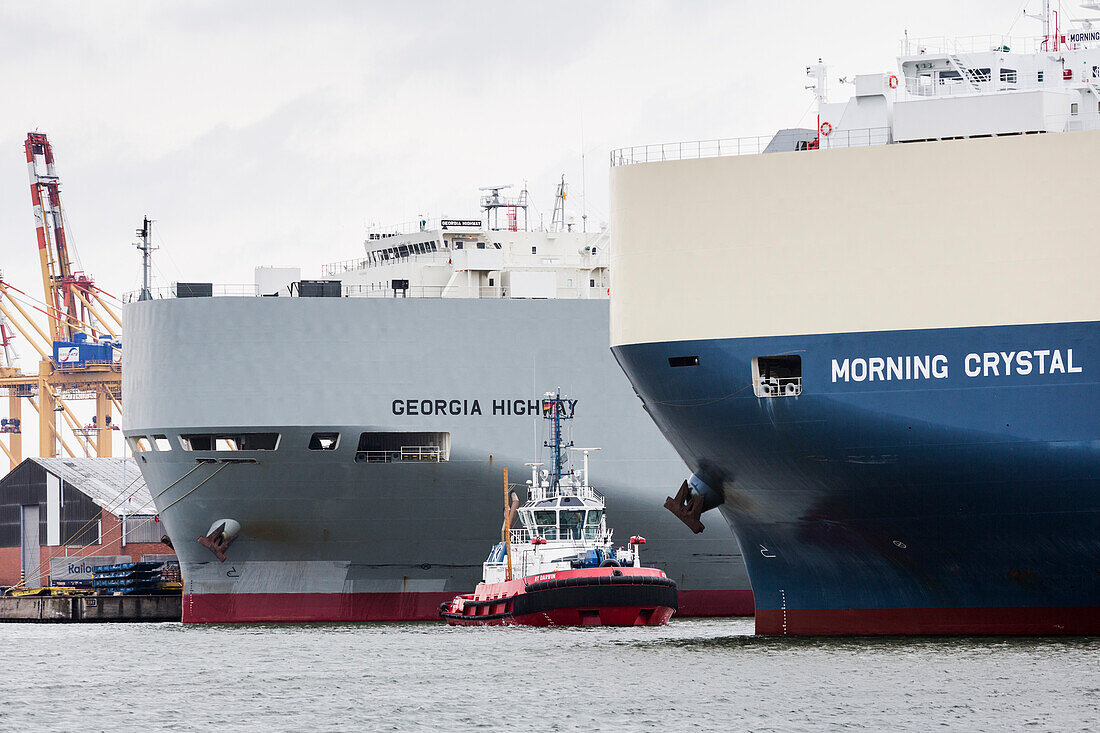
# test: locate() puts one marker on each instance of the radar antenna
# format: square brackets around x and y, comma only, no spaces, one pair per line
[493,202]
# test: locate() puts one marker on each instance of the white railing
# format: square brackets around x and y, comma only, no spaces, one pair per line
[970,44]
[406,454]
[459,290]
[167,293]
[591,535]
[778,387]
[540,492]
[733,146]
[334,269]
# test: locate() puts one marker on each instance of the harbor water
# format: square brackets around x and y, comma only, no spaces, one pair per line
[690,675]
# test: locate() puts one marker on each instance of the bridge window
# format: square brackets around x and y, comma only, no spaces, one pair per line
[546,524]
[777,376]
[570,524]
[161,442]
[592,524]
[324,441]
[403,448]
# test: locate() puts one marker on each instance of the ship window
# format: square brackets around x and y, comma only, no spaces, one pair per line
[592,524]
[777,376]
[161,442]
[407,447]
[591,283]
[1008,76]
[1073,108]
[230,441]
[546,524]
[571,523]
[481,245]
[324,441]
[139,444]
[534,250]
[683,361]
[458,245]
[1039,77]
[491,282]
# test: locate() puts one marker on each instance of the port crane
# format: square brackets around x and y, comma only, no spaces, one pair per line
[79,351]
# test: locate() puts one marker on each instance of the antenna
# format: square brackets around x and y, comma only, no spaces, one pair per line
[494,202]
[584,187]
[147,249]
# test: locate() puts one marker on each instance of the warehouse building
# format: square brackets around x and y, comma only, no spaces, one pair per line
[59,517]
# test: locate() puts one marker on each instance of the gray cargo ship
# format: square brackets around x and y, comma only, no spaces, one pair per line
[338,457]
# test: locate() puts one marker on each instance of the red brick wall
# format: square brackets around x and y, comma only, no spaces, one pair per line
[9,565]
[112,545]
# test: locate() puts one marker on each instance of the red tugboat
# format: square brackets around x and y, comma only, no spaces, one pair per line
[560,568]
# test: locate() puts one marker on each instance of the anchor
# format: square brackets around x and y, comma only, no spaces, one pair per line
[222,534]
[688,506]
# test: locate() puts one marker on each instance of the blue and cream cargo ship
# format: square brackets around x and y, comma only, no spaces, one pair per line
[875,343]
[334,453]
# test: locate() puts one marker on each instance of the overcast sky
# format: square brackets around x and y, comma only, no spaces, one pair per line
[273,132]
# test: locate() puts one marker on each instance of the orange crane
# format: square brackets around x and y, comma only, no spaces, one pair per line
[79,353]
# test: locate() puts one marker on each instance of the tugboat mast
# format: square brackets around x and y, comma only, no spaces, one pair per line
[556,410]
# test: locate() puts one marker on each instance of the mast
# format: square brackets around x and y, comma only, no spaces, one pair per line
[1044,18]
[558,217]
[146,248]
[556,409]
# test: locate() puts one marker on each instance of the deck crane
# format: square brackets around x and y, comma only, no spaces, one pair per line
[79,352]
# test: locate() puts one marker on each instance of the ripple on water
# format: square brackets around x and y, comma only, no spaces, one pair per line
[708,674]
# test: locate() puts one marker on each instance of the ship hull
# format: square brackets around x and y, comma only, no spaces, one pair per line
[964,502]
[327,537]
[594,597]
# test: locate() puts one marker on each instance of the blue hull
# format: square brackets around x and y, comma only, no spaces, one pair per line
[960,495]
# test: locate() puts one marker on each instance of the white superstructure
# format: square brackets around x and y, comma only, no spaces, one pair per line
[476,258]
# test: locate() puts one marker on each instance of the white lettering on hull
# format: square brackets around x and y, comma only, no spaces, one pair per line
[975,364]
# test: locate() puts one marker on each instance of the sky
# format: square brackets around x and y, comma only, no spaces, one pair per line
[276,132]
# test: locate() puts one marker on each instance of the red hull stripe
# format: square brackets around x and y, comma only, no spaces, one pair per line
[355,607]
[1024,620]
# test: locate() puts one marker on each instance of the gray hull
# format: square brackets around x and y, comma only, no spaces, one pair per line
[326,537]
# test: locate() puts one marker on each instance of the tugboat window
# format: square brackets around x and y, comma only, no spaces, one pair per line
[324,441]
[777,376]
[571,522]
[546,524]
